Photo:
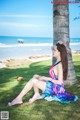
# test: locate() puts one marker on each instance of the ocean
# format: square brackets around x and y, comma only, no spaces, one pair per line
[21,47]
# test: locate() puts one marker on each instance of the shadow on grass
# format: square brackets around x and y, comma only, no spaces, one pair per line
[9,78]
[41,109]
[77,69]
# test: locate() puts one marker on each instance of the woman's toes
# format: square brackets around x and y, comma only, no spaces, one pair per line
[14,103]
[9,104]
[34,98]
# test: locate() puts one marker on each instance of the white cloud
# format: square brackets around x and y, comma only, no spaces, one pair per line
[24,16]
[21,29]
[10,24]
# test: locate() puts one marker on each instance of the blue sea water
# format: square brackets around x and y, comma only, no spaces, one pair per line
[14,40]
[11,48]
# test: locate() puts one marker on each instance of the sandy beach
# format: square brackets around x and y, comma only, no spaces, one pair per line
[15,62]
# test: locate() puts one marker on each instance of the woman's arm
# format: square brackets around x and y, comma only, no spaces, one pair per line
[50,79]
[60,76]
[47,79]
[39,77]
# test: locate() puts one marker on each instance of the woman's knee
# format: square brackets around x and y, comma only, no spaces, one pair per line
[34,81]
[35,76]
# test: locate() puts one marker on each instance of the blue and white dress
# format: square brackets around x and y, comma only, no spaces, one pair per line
[55,91]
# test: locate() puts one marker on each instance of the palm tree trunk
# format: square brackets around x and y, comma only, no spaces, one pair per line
[61,32]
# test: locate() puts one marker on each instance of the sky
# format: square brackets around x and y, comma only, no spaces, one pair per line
[33,18]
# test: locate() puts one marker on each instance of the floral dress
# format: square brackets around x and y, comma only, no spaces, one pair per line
[55,91]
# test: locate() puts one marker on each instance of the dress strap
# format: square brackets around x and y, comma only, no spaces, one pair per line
[56,63]
[51,71]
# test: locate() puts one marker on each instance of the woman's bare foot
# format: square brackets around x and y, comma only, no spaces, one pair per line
[35,97]
[16,101]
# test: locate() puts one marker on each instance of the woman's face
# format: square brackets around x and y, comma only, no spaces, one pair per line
[55,51]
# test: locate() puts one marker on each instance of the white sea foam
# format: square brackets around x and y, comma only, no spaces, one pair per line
[37,49]
[78,43]
[21,39]
[23,45]
[30,44]
[1,44]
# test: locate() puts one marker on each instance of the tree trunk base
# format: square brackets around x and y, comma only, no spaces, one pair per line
[70,82]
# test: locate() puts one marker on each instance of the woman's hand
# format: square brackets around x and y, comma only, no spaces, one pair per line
[37,77]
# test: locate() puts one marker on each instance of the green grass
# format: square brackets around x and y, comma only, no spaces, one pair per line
[41,109]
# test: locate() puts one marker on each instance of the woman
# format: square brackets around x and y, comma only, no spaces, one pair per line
[52,87]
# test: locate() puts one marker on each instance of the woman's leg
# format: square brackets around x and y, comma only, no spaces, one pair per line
[32,83]
[36,94]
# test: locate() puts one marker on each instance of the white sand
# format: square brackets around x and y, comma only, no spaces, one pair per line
[2,65]
[15,62]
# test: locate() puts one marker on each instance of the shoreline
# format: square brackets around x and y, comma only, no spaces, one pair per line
[31,44]
[18,62]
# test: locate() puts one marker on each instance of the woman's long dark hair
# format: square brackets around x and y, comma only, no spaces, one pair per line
[63,52]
